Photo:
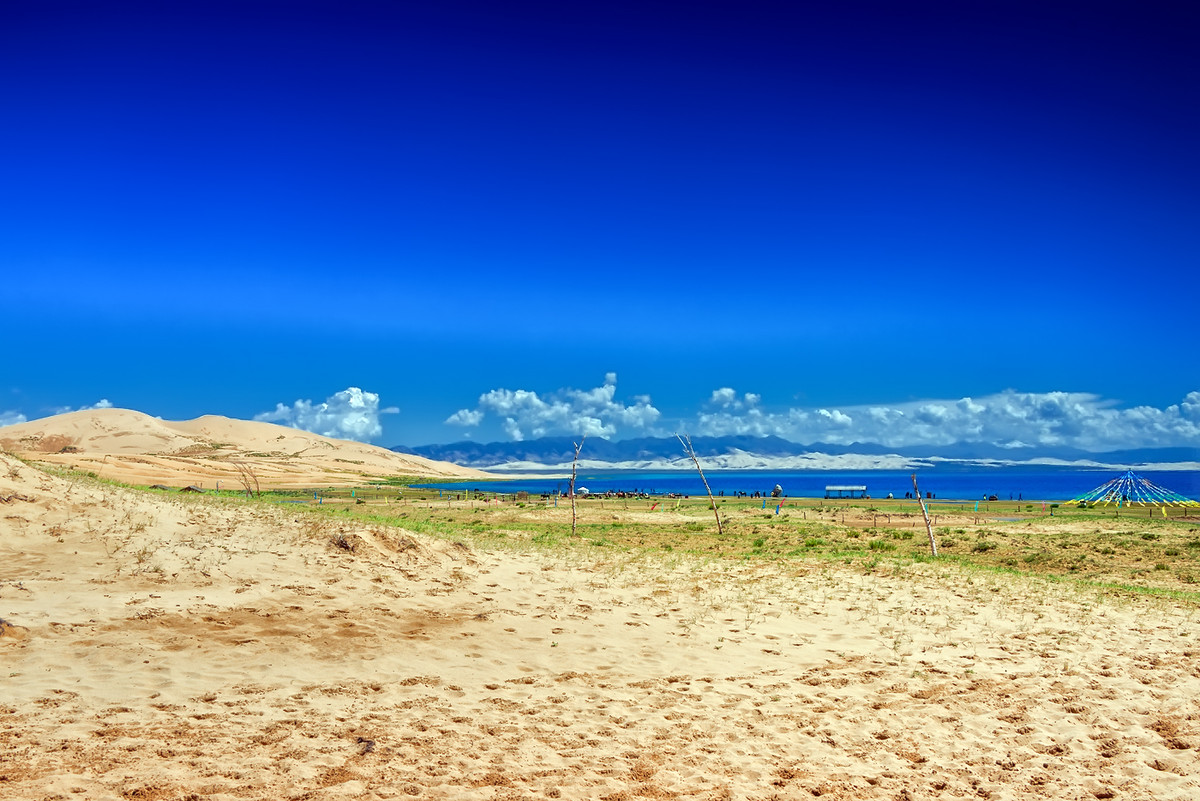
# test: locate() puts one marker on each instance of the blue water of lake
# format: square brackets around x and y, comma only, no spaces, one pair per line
[946,483]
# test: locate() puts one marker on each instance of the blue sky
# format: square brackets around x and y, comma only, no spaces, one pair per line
[477,212]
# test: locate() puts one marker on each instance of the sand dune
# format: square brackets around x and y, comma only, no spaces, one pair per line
[129,446]
[180,647]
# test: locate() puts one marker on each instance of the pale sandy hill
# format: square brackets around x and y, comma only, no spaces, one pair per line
[102,431]
[130,446]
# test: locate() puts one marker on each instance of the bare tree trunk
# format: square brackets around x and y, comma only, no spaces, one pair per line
[686,442]
[574,465]
[925,512]
[247,478]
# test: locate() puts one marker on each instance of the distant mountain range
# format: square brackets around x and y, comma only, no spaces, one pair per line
[774,453]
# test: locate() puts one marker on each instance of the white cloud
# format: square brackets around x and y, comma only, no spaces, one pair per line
[103,403]
[727,398]
[1010,419]
[513,429]
[11,418]
[590,412]
[836,417]
[465,417]
[349,414]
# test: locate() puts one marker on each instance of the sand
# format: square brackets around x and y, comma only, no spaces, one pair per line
[134,448]
[177,647]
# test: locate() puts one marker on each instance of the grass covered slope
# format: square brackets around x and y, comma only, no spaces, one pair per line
[1134,548]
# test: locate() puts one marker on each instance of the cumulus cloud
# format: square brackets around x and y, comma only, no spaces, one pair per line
[728,398]
[593,412]
[1010,419]
[466,417]
[11,418]
[723,397]
[350,414]
[103,403]
[836,418]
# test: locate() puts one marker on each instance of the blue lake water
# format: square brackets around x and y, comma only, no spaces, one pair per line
[946,483]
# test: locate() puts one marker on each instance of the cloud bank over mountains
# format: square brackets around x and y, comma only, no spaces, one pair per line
[350,414]
[1009,422]
[1009,419]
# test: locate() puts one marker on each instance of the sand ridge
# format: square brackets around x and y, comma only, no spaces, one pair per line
[132,447]
[182,647]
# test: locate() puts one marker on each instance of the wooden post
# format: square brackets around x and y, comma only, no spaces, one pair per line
[686,442]
[574,464]
[928,526]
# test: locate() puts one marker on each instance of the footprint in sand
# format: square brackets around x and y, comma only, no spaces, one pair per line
[12,633]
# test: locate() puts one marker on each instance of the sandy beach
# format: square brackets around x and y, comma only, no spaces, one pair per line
[175,647]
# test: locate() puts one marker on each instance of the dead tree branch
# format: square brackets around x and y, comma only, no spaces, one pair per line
[248,478]
[574,465]
[686,442]
[924,511]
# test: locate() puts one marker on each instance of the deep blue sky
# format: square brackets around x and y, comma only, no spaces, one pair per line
[215,209]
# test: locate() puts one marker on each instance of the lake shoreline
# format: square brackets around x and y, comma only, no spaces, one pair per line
[1006,484]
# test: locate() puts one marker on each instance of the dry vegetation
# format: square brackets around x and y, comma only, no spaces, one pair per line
[1134,549]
